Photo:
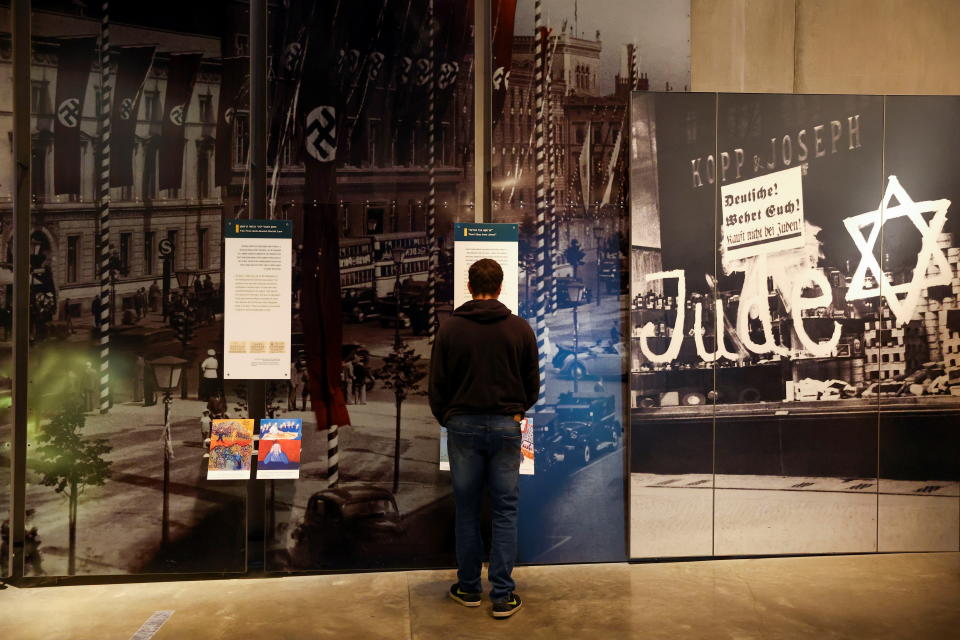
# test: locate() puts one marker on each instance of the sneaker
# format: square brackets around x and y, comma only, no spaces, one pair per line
[508,607]
[463,597]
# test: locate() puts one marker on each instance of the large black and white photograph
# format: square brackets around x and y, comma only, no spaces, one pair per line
[563,71]
[139,151]
[772,356]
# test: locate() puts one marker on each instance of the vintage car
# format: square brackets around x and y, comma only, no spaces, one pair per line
[888,389]
[601,360]
[563,292]
[360,305]
[348,521]
[414,308]
[584,426]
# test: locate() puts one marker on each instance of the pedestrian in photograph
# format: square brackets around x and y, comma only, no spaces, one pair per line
[205,423]
[217,405]
[346,379]
[361,374]
[209,377]
[138,304]
[154,296]
[484,376]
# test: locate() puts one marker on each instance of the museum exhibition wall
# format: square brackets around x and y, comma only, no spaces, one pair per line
[711,387]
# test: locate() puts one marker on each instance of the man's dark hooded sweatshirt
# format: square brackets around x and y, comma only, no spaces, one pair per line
[484,362]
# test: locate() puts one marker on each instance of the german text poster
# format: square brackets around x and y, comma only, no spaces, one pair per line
[257,277]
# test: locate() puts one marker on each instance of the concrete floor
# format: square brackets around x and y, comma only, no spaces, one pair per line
[869,596]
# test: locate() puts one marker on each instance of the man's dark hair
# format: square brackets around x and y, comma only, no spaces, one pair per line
[485,277]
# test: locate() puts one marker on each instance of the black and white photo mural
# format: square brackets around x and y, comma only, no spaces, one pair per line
[139,137]
[562,75]
[792,333]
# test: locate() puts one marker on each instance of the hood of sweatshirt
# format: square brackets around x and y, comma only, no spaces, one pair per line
[483,311]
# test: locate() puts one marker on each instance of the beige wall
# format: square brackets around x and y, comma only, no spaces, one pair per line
[826,46]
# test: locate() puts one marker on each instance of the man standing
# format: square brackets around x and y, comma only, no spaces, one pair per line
[483,377]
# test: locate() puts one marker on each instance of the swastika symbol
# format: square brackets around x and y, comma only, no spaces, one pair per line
[176,115]
[321,130]
[126,108]
[68,113]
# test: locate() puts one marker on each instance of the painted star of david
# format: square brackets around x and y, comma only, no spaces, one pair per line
[929,254]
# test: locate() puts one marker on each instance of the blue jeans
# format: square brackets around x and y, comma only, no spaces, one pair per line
[484,452]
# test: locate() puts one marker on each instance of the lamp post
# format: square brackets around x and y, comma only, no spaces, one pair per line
[166,373]
[397,254]
[575,293]
[598,235]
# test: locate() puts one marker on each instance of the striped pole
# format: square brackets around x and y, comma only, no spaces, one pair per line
[333,456]
[634,71]
[103,242]
[540,162]
[432,183]
[552,184]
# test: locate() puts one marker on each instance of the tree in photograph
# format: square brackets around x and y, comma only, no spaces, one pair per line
[70,463]
[401,373]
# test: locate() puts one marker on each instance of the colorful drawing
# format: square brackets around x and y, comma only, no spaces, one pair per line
[231,445]
[279,451]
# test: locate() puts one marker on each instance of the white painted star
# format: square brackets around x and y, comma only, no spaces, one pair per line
[902,308]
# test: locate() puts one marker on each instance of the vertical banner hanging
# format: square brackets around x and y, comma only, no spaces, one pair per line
[504,12]
[74,60]
[133,63]
[181,75]
[256,319]
[232,80]
[320,106]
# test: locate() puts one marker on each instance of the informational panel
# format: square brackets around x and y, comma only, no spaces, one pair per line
[500,242]
[256,328]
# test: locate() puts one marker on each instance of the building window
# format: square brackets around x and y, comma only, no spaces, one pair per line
[203,172]
[125,239]
[40,98]
[151,106]
[205,102]
[73,258]
[38,171]
[150,172]
[202,249]
[241,138]
[241,44]
[149,238]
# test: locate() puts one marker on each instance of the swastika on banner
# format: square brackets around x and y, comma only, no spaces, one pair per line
[126,108]
[68,113]
[176,115]
[406,64]
[376,64]
[321,130]
[228,115]
[293,56]
[448,74]
[424,67]
[500,77]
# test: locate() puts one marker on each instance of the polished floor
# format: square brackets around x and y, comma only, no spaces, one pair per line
[868,596]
